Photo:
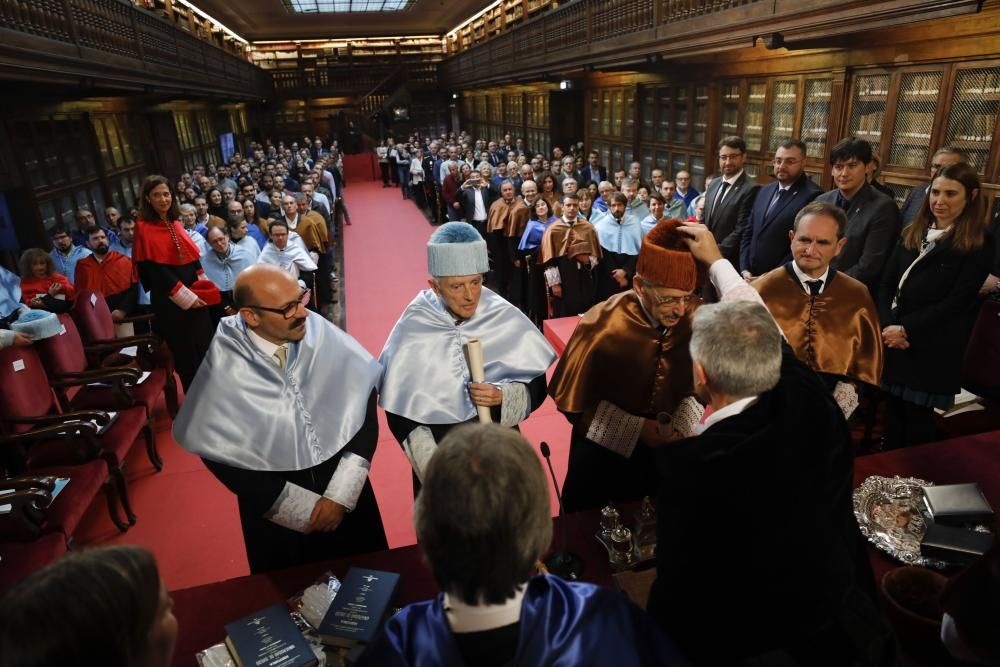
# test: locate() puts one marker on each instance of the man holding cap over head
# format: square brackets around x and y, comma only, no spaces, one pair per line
[426,386]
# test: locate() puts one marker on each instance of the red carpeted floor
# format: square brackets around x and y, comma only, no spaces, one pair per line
[190,521]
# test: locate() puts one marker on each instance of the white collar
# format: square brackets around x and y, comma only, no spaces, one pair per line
[731,410]
[265,346]
[800,274]
[734,178]
[464,617]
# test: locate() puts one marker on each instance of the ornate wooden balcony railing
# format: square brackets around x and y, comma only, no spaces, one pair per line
[350,80]
[627,33]
[113,43]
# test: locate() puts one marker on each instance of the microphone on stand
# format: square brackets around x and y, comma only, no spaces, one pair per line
[562,563]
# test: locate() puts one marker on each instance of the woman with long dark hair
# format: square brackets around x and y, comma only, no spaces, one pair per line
[169,267]
[927,302]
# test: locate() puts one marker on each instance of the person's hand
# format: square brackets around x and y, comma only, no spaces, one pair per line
[747,276]
[55,288]
[485,395]
[36,302]
[117,315]
[701,243]
[456,206]
[326,516]
[620,277]
[517,264]
[652,436]
[556,291]
[22,339]
[894,336]
[229,310]
[200,303]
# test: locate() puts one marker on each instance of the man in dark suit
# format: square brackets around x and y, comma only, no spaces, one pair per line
[593,172]
[944,157]
[803,611]
[765,238]
[476,197]
[730,198]
[872,217]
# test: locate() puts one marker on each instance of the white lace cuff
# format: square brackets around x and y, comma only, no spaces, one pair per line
[184,298]
[516,405]
[846,397]
[615,429]
[552,276]
[419,447]
[293,508]
[348,480]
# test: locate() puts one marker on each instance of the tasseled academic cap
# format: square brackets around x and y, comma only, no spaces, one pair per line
[664,258]
[456,249]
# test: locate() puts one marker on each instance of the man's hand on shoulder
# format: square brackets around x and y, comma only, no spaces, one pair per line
[652,435]
[326,516]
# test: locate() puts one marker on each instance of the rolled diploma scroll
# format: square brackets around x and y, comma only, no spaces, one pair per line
[478,376]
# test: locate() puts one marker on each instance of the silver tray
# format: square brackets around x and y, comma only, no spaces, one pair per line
[888,513]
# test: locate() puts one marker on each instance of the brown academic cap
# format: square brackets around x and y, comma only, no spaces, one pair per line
[664,258]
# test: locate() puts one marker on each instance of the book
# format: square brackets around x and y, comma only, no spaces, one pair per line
[954,545]
[269,638]
[957,504]
[356,614]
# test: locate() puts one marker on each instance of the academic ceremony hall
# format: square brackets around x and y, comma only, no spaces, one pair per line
[486,333]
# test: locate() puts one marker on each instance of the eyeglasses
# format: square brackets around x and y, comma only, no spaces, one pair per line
[288,311]
[687,299]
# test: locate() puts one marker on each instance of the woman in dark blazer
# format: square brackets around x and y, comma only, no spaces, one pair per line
[927,303]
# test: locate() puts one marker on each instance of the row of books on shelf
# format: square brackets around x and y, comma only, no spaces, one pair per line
[873,86]
[979,83]
[909,156]
[978,127]
[923,85]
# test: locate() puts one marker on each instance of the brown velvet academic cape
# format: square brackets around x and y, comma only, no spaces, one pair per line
[560,237]
[836,333]
[616,355]
[511,219]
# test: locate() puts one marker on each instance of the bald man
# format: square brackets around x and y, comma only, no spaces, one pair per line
[282,411]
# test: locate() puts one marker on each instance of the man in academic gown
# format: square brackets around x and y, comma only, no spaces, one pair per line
[223,264]
[426,386]
[570,252]
[283,412]
[620,235]
[108,273]
[828,318]
[505,224]
[287,251]
[626,363]
[763,563]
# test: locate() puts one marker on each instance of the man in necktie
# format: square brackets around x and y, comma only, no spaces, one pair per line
[729,199]
[283,412]
[764,245]
[828,318]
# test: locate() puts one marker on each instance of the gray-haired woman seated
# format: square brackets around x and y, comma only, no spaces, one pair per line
[483,520]
[104,606]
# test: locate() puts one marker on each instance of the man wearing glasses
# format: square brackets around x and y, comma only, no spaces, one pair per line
[765,237]
[626,365]
[283,412]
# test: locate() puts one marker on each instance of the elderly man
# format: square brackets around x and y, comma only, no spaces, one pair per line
[85,220]
[685,192]
[749,458]
[507,219]
[621,237]
[482,520]
[626,363]
[223,263]
[427,387]
[604,190]
[287,251]
[109,273]
[305,391]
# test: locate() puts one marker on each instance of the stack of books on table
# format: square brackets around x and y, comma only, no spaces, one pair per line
[957,513]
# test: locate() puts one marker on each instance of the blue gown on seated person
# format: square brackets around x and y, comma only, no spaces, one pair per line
[562,624]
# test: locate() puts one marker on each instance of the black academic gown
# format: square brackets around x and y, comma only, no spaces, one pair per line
[760,560]
[272,547]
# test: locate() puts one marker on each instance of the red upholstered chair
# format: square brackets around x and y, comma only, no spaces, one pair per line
[97,331]
[65,361]
[36,438]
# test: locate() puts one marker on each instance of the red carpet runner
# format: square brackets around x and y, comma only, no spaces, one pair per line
[190,521]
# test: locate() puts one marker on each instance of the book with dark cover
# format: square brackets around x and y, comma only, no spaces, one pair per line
[361,605]
[269,638]
[954,545]
[957,504]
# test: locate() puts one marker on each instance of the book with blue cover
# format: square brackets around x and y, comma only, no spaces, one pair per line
[269,638]
[356,614]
